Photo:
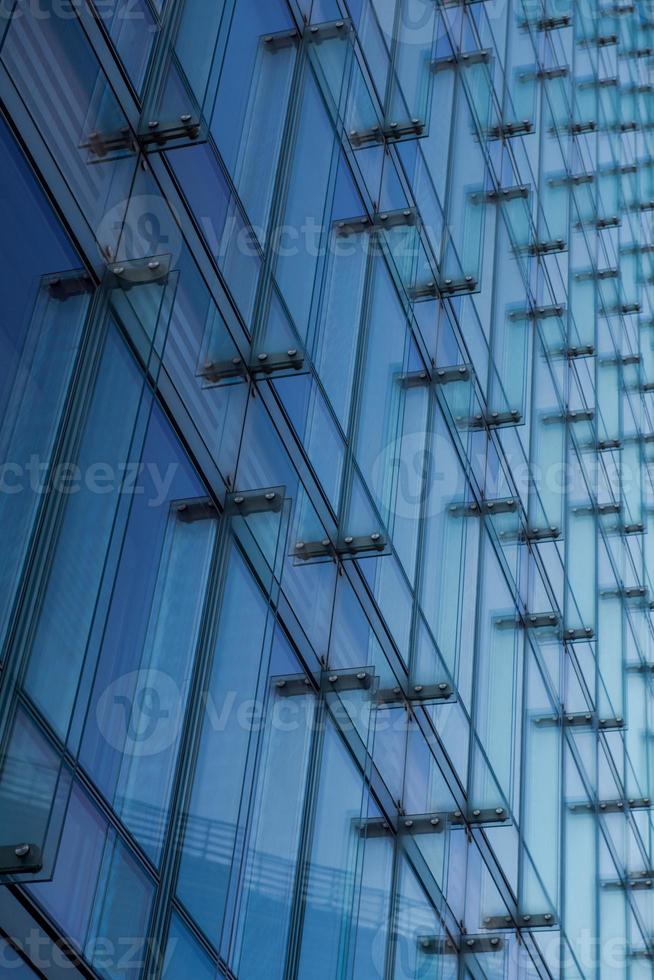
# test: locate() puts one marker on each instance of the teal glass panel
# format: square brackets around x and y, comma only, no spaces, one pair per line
[86,510]
[411,85]
[212,812]
[33,397]
[185,958]
[496,695]
[416,923]
[273,843]
[540,808]
[80,119]
[581,545]
[181,85]
[449,555]
[133,730]
[327,942]
[100,894]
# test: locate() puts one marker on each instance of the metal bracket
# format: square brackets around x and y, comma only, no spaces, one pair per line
[524,920]
[447,375]
[507,505]
[547,620]
[636,53]
[411,128]
[418,693]
[195,509]
[547,248]
[604,444]
[508,130]
[20,858]
[340,681]
[372,827]
[402,217]
[246,502]
[64,286]
[353,226]
[101,145]
[537,534]
[456,60]
[620,309]
[291,685]
[281,40]
[424,291]
[452,287]
[611,806]
[154,134]
[414,379]
[552,23]
[576,415]
[579,128]
[492,815]
[538,312]
[626,592]
[602,40]
[360,544]
[442,945]
[491,419]
[611,724]
[308,550]
[585,350]
[643,953]
[139,272]
[581,633]
[639,881]
[265,363]
[344,547]
[520,191]
[581,719]
[329,31]
[571,180]
[216,371]
[422,823]
[613,222]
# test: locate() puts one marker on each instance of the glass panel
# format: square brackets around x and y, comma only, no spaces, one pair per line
[133,728]
[73,106]
[540,806]
[274,835]
[213,810]
[100,894]
[181,84]
[497,685]
[185,958]
[332,865]
[39,365]
[86,511]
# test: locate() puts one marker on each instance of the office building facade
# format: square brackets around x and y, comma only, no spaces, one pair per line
[327,423]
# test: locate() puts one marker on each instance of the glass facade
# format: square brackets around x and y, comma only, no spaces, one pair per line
[326,445]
